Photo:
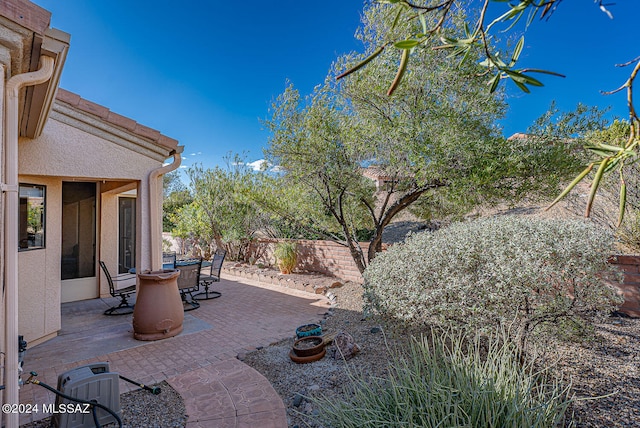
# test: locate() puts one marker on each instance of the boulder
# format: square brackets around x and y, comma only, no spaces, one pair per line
[344,346]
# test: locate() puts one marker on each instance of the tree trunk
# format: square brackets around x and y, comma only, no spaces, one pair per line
[375,245]
[357,256]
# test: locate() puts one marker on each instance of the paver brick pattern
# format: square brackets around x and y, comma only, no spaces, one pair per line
[200,363]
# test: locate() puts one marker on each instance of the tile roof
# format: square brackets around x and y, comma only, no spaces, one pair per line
[116,119]
[27,14]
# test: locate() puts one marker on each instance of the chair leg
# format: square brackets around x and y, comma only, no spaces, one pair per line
[124,308]
[206,294]
[190,303]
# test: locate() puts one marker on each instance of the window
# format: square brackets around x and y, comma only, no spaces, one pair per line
[31,217]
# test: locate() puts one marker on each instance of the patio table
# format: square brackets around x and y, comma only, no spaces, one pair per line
[167,266]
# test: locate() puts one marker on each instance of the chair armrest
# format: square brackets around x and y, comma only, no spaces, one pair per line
[129,289]
[123,277]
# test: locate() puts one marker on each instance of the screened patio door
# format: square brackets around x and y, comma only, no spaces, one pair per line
[126,234]
[78,264]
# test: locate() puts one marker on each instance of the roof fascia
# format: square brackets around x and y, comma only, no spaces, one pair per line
[39,98]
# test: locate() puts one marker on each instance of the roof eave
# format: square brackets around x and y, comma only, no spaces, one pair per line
[39,99]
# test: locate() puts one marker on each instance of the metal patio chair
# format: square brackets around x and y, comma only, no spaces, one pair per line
[214,276]
[124,293]
[188,282]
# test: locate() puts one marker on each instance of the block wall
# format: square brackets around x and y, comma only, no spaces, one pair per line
[325,257]
[630,287]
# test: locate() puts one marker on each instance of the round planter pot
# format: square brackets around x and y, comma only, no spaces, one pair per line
[304,360]
[307,346]
[308,330]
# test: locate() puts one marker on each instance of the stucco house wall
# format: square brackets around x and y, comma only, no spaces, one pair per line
[39,292]
[78,144]
[64,151]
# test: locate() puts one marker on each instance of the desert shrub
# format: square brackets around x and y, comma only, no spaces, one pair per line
[629,231]
[446,381]
[510,271]
[286,256]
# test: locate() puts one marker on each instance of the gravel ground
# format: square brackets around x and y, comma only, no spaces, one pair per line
[605,375]
[141,409]
[607,366]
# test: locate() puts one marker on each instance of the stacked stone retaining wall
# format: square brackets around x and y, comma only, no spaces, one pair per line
[309,282]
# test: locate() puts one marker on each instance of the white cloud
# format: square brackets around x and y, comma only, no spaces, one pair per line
[257,165]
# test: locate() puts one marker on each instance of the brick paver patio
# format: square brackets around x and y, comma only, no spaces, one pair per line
[200,363]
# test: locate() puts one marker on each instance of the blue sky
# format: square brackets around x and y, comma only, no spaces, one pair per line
[205,72]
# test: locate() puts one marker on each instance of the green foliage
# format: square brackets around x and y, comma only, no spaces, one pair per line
[220,215]
[171,205]
[283,229]
[435,140]
[445,381]
[35,217]
[509,271]
[617,185]
[423,25]
[625,185]
[296,210]
[175,196]
[286,256]
[190,225]
[432,27]
[629,231]
[166,245]
[172,182]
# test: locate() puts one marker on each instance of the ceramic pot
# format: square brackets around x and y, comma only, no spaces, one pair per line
[307,346]
[309,359]
[158,312]
[308,330]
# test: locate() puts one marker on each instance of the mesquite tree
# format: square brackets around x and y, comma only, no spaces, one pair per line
[220,216]
[435,29]
[435,140]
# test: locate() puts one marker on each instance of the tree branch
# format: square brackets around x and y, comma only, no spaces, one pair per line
[398,206]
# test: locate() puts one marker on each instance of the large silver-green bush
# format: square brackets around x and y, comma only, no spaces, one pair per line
[511,271]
